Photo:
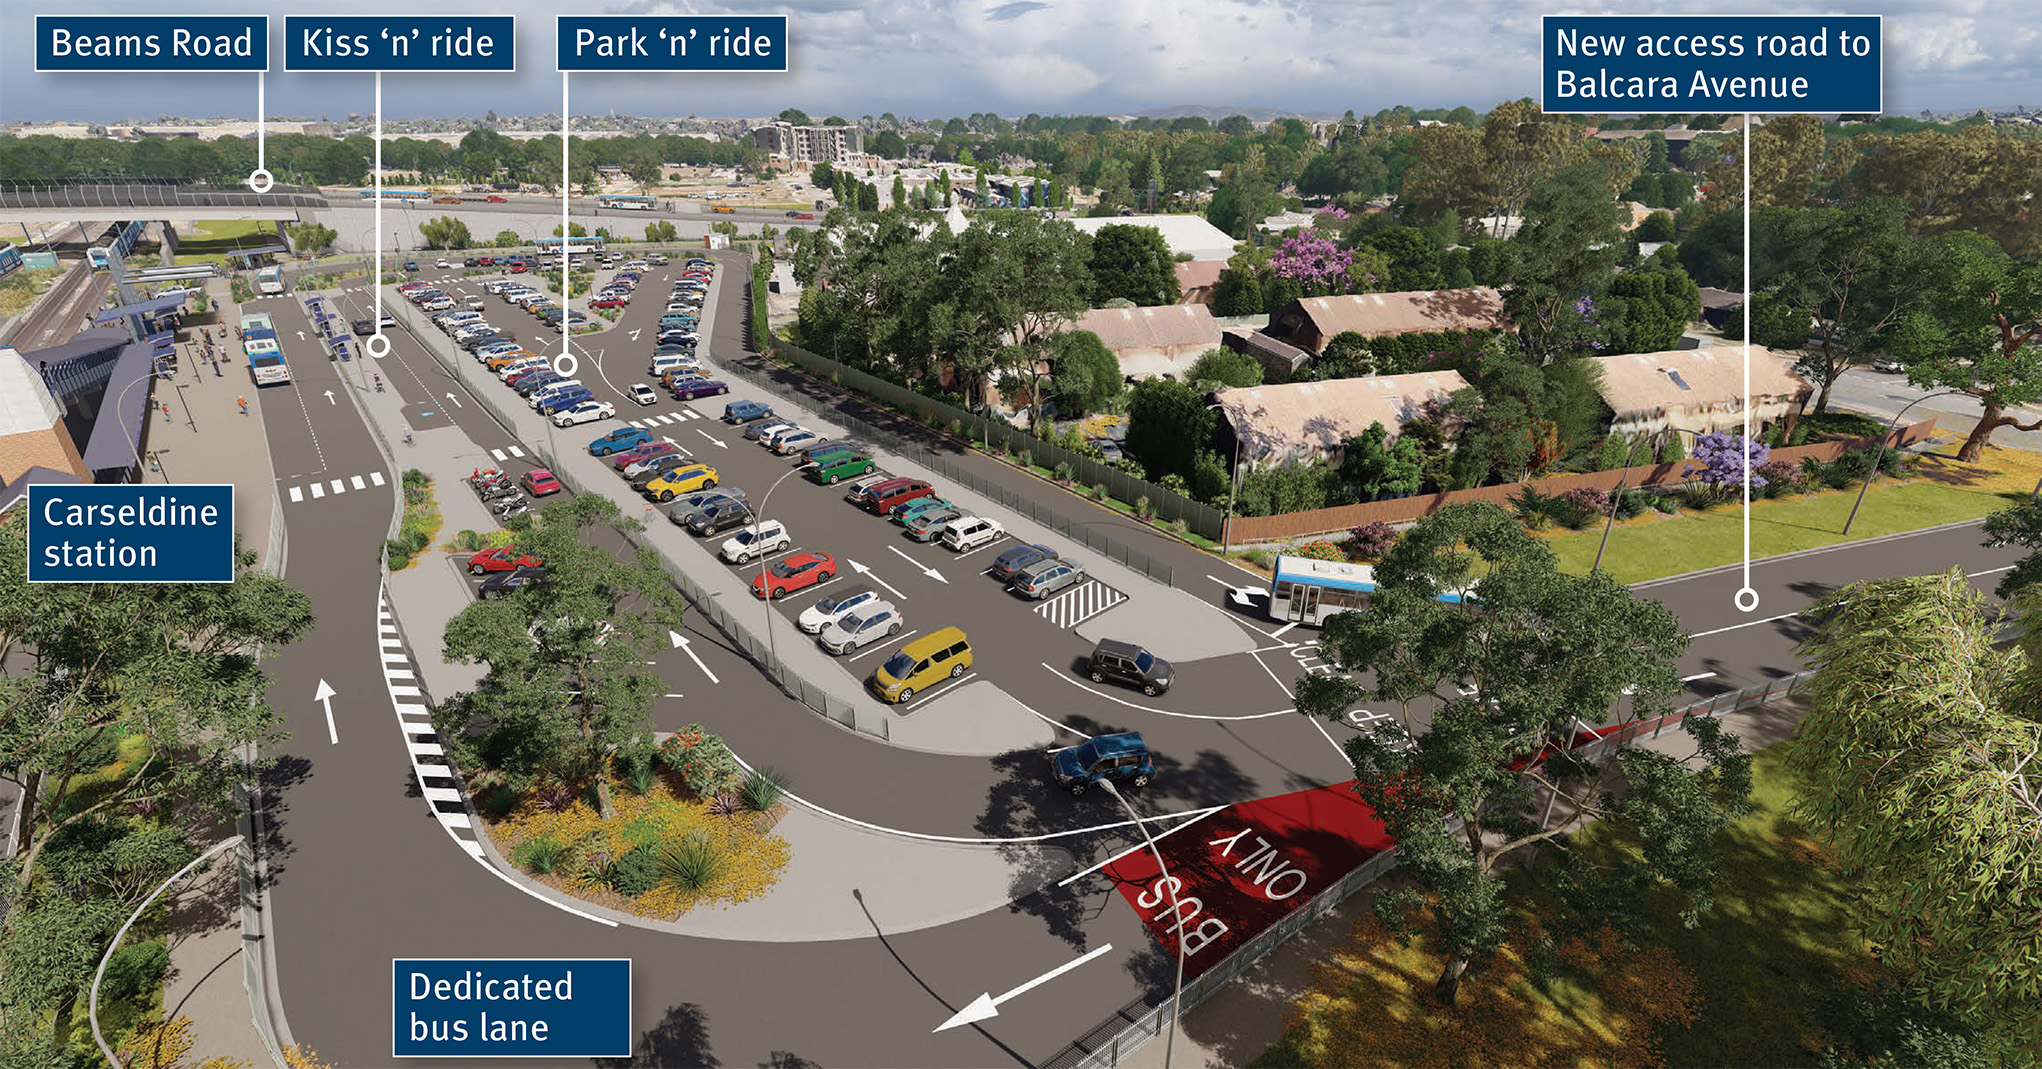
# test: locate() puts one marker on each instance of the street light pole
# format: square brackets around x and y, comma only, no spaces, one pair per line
[1617,497]
[1879,459]
[766,594]
[1177,993]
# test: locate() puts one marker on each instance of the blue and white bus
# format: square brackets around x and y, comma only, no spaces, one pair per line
[269,280]
[1306,591]
[398,194]
[618,200]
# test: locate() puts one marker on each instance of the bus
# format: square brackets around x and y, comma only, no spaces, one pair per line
[405,195]
[265,354]
[269,280]
[1306,591]
[618,200]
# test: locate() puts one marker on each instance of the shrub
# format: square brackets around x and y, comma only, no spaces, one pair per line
[1320,551]
[1579,507]
[1180,528]
[1673,449]
[1026,458]
[1174,483]
[1370,541]
[1143,507]
[1132,466]
[635,872]
[599,866]
[555,797]
[1632,502]
[762,790]
[134,969]
[539,854]
[1532,508]
[1699,496]
[1065,473]
[467,541]
[1665,503]
[693,863]
[1098,491]
[415,479]
[703,762]
[497,803]
[1781,479]
[634,765]
[399,554]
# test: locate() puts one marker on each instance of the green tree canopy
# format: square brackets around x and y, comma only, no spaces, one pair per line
[1085,375]
[446,232]
[2019,525]
[1168,426]
[1221,366]
[1975,331]
[1133,262]
[1379,468]
[796,116]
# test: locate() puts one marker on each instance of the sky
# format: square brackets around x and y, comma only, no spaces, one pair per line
[926,58]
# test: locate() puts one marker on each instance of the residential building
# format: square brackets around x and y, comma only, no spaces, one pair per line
[1313,421]
[1182,233]
[804,146]
[1310,322]
[1164,340]
[1196,278]
[1701,390]
[32,432]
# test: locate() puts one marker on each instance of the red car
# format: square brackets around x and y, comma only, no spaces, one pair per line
[407,287]
[486,261]
[494,199]
[798,572]
[648,451]
[608,302]
[539,482]
[500,559]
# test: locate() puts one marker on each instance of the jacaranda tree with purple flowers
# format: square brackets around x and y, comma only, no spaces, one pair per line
[1312,260]
[1722,456]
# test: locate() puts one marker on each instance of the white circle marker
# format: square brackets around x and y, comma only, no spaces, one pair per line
[260,180]
[377,346]
[565,364]
[1747,599]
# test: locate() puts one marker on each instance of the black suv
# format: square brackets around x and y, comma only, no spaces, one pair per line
[1125,662]
[504,584]
[720,515]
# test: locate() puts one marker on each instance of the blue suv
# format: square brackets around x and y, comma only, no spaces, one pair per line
[619,440]
[746,411]
[1123,758]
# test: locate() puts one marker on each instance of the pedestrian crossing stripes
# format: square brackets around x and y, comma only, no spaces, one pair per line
[668,418]
[437,781]
[506,454]
[1080,603]
[319,488]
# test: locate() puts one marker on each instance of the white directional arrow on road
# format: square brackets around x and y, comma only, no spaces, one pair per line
[1240,594]
[930,572]
[712,438]
[324,696]
[987,1006]
[301,335]
[456,400]
[329,398]
[680,642]
[636,333]
[867,573]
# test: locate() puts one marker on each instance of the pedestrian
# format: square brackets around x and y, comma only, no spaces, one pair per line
[166,412]
[243,402]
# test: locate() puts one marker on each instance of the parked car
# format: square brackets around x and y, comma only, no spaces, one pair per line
[855,493]
[840,467]
[760,432]
[834,606]
[501,559]
[921,664]
[797,572]
[619,440]
[1011,562]
[560,402]
[1127,663]
[363,327]
[719,515]
[881,498]
[787,444]
[1122,758]
[507,583]
[681,480]
[585,412]
[1047,576]
[539,482]
[927,526]
[755,541]
[660,466]
[860,628]
[642,457]
[608,302]
[738,412]
[901,514]
[643,394]
[1888,365]
[700,388]
[411,266]
[971,532]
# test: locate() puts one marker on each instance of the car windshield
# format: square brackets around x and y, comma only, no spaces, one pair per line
[1087,753]
[858,622]
[899,665]
[1145,660]
[782,570]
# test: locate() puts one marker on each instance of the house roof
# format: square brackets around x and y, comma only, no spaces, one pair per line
[1647,384]
[1376,314]
[25,402]
[1720,299]
[1320,415]
[1182,233]
[1136,328]
[1199,274]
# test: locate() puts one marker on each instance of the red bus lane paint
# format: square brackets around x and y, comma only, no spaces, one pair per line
[1246,868]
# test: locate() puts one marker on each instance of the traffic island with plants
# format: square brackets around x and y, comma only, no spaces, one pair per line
[691,828]
[421,522]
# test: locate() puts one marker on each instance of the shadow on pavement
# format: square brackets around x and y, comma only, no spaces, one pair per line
[680,1038]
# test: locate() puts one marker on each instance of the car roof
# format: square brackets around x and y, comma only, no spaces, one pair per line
[1121,742]
[1118,648]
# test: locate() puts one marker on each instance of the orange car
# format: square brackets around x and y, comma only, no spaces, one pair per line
[504,360]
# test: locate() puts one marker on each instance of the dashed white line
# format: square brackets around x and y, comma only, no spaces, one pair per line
[359,483]
[297,494]
[318,490]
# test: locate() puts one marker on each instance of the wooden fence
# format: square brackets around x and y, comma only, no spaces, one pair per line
[1292,525]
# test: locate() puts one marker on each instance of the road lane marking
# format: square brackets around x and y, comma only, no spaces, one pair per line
[1080,603]
[1081,685]
[1787,615]
[318,491]
[876,649]
[1278,633]
[376,477]
[297,494]
[926,695]
[1144,845]
[516,452]
[359,483]
[498,454]
[1692,678]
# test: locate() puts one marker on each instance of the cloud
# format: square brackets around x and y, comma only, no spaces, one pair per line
[1010,12]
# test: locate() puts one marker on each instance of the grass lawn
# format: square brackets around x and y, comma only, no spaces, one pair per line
[1777,940]
[1943,491]
[215,239]
[19,290]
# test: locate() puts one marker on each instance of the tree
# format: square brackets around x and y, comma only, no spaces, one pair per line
[1725,458]
[1974,331]
[311,237]
[1855,272]
[1245,195]
[1168,426]
[796,116]
[506,239]
[1648,311]
[1776,324]
[1018,280]
[446,232]
[1132,262]
[1379,468]
[1348,355]
[661,230]
[2020,525]
[171,666]
[1786,153]
[1220,366]
[1567,252]
[1530,656]
[887,145]
[1413,257]
[822,175]
[1978,178]
[1085,375]
[1450,175]
[900,191]
[1917,751]
[1657,226]
[1522,145]
[582,634]
[574,230]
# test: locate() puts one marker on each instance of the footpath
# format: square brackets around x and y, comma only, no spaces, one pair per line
[1245,1018]
[207,439]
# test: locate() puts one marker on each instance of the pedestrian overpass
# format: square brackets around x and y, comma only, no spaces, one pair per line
[54,202]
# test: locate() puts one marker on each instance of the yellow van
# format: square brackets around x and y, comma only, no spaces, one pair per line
[922,664]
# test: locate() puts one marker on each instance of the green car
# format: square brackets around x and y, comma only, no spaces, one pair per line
[905,514]
[839,468]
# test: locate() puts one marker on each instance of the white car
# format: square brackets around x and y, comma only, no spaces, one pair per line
[442,262]
[474,302]
[755,541]
[643,394]
[763,433]
[833,606]
[585,412]
[971,532]
[861,627]
[772,441]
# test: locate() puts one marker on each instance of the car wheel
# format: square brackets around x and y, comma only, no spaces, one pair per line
[833,480]
[475,570]
[1078,788]
[1098,677]
[708,484]
[779,591]
[1149,689]
[1140,780]
[956,671]
[665,496]
[892,631]
[826,577]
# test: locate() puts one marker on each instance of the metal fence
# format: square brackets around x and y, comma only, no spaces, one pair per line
[130,194]
[847,713]
[1123,1033]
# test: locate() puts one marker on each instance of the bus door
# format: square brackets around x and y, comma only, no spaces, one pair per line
[1304,603]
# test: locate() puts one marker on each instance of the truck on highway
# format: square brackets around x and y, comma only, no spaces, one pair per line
[265,354]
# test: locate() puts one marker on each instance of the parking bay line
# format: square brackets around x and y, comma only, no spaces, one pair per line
[958,680]
[876,649]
